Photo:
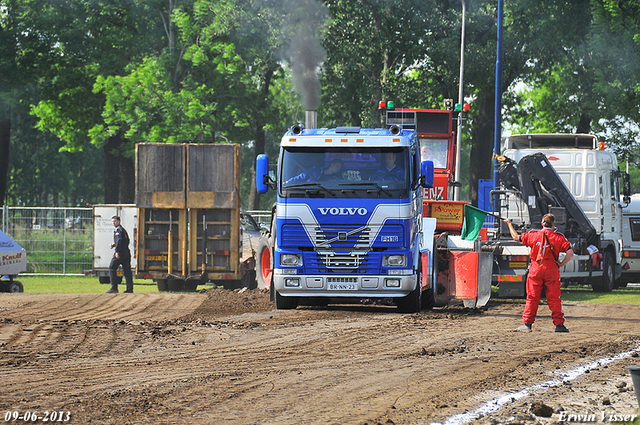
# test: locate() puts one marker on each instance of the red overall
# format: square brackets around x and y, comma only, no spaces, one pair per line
[544,272]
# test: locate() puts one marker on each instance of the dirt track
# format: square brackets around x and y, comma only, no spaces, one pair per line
[227,357]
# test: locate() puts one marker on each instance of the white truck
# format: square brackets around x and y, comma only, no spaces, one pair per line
[13,260]
[631,241]
[103,236]
[573,177]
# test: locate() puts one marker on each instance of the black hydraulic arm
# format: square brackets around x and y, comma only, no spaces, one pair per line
[543,189]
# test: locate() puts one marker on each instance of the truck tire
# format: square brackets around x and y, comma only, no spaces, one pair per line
[285,303]
[428,299]
[176,285]
[15,287]
[163,285]
[192,285]
[412,303]
[605,284]
[104,279]
[264,263]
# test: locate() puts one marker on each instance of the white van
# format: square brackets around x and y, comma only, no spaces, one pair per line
[103,236]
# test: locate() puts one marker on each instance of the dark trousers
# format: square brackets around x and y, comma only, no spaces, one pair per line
[126,269]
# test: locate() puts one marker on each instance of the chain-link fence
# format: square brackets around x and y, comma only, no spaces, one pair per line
[57,240]
[261,216]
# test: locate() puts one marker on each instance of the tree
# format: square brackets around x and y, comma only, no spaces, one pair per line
[596,88]
[40,174]
[87,40]
[216,84]
[379,50]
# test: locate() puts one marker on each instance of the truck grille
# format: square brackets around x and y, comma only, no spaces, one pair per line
[342,262]
[337,236]
[331,260]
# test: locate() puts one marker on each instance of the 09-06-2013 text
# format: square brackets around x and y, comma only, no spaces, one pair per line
[35,416]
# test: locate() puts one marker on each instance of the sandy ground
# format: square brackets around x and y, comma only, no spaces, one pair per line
[227,357]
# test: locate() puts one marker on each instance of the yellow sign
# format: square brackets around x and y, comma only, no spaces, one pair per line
[449,215]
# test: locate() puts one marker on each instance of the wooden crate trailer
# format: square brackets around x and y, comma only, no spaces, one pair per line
[189,215]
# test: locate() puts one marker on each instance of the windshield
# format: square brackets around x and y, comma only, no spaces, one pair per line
[434,150]
[345,172]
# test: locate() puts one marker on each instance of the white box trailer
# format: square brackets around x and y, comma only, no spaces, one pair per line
[13,260]
[631,241]
[103,236]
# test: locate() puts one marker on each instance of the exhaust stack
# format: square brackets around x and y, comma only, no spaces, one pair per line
[310,119]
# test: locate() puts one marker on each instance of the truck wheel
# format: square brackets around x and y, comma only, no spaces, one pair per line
[428,299]
[104,279]
[192,285]
[176,285]
[264,263]
[608,275]
[15,287]
[163,285]
[285,303]
[412,302]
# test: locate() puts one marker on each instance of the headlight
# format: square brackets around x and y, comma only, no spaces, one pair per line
[394,260]
[392,283]
[291,282]
[290,260]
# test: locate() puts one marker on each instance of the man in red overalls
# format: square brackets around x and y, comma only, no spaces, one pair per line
[544,271]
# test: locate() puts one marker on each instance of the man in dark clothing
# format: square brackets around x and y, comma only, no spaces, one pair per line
[544,270]
[121,256]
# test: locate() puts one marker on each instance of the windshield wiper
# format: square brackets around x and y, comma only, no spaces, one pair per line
[374,184]
[309,185]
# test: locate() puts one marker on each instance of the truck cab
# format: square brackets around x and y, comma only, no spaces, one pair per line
[437,144]
[631,241]
[348,217]
[580,183]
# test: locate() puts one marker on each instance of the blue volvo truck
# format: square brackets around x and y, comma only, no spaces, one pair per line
[348,218]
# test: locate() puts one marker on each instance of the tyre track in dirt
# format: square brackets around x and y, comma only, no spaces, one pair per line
[102,306]
[347,365]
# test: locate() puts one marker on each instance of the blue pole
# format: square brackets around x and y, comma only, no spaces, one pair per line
[498,105]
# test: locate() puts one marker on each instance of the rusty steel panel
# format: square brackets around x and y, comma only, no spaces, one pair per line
[160,175]
[213,178]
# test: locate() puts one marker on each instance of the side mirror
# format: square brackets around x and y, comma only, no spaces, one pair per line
[626,187]
[426,173]
[262,173]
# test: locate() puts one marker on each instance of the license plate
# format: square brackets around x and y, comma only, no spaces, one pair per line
[343,286]
[155,258]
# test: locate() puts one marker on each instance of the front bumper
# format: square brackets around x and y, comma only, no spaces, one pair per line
[368,286]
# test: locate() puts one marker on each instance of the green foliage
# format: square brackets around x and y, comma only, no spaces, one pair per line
[207,71]
[145,108]
[383,50]
[594,87]
[43,172]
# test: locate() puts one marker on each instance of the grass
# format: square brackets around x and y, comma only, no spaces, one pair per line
[90,285]
[578,293]
[81,285]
